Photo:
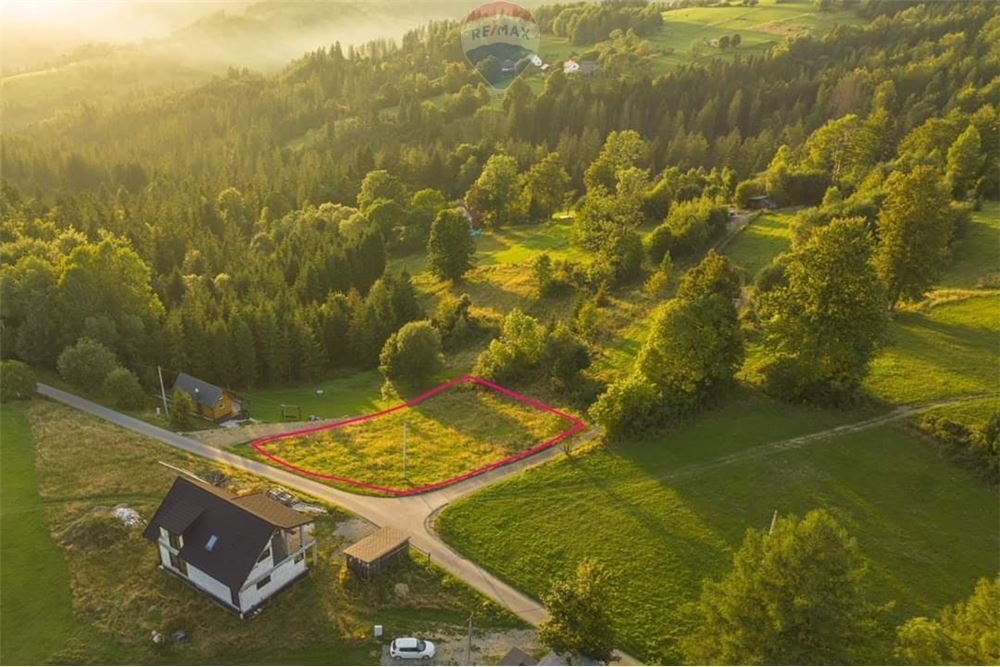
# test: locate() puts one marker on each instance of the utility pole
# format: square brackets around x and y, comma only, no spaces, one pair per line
[404,450]
[163,393]
[468,650]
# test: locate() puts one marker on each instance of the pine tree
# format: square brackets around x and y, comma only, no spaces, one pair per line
[450,247]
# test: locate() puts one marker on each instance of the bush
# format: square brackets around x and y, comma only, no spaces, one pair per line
[181,409]
[563,356]
[412,354]
[122,386]
[86,364]
[17,381]
[745,190]
[976,445]
[629,407]
[454,321]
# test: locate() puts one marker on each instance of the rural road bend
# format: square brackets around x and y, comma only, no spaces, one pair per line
[411,513]
[415,514]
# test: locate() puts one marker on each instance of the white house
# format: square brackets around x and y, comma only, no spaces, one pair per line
[241,550]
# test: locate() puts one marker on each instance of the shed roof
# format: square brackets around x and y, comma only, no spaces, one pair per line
[382,542]
[202,392]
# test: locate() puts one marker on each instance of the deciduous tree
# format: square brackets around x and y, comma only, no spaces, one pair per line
[914,228]
[579,621]
[966,633]
[795,596]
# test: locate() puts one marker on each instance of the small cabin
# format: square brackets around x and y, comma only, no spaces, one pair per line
[211,402]
[762,202]
[238,550]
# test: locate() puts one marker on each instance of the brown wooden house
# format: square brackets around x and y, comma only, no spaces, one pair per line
[211,402]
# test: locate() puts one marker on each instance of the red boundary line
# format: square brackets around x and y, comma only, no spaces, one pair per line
[577,426]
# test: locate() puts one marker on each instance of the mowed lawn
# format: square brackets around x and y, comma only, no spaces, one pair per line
[36,614]
[459,430]
[940,351]
[977,251]
[767,236]
[342,396]
[666,513]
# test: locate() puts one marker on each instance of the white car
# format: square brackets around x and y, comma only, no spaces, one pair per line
[410,648]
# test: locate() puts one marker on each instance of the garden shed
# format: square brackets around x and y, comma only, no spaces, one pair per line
[372,554]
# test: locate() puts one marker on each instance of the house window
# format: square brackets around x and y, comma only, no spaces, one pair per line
[264,556]
[178,564]
[176,541]
[263,582]
[212,541]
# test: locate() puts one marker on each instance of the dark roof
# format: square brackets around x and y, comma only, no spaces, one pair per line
[198,511]
[517,658]
[201,391]
[382,542]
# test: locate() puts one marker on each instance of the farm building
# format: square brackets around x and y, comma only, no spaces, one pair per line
[761,202]
[211,402]
[240,550]
[370,555]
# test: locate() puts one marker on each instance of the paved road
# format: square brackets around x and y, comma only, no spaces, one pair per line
[413,514]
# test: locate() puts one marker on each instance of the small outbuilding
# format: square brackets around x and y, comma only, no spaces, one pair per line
[370,555]
[762,202]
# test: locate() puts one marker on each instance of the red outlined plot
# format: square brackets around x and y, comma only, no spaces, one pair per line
[576,425]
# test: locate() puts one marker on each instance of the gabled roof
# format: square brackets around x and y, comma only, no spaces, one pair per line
[242,527]
[202,392]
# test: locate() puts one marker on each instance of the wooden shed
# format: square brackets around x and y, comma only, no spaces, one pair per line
[371,555]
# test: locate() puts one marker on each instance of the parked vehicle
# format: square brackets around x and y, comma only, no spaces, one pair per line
[411,648]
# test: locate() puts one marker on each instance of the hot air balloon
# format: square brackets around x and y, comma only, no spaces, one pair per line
[496,37]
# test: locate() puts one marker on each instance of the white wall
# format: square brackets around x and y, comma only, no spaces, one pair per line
[251,596]
[203,581]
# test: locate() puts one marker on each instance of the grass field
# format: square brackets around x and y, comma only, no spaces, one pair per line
[977,253]
[456,431]
[767,236]
[332,398]
[943,350]
[663,518]
[36,615]
[85,467]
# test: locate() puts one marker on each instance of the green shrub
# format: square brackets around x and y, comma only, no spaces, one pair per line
[17,381]
[86,364]
[122,386]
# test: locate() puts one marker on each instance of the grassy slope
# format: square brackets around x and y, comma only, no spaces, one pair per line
[665,518]
[36,617]
[87,466]
[661,535]
[941,351]
[977,257]
[449,434]
[684,37]
[766,236]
